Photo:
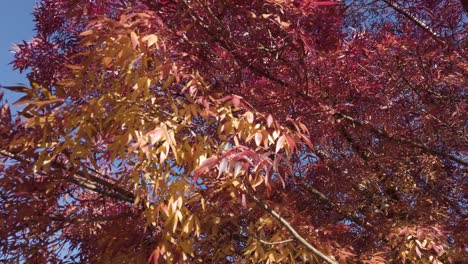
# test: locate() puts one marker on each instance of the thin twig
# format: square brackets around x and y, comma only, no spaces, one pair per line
[276,242]
[90,219]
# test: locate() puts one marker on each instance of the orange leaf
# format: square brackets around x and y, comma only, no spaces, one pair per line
[73,67]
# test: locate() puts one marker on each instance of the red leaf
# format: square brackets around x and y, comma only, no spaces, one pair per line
[291,143]
[326,3]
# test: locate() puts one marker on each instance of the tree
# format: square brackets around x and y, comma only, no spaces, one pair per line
[238,131]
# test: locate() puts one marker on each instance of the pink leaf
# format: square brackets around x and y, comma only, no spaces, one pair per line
[223,166]
[258,138]
[418,252]
[244,201]
[269,120]
[236,101]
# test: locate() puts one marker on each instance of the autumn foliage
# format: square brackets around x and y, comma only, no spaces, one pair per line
[266,131]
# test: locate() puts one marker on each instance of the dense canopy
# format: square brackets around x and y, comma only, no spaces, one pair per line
[234,131]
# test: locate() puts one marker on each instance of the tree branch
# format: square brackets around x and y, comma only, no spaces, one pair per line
[415,20]
[85,177]
[227,47]
[322,197]
[403,140]
[288,226]
[91,219]
[79,178]
[90,185]
[276,242]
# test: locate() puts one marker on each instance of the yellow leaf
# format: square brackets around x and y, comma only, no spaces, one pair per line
[179,216]
[249,116]
[203,203]
[174,224]
[134,39]
[65,83]
[280,143]
[236,141]
[276,134]
[150,39]
[188,225]
[179,202]
[197,226]
[237,169]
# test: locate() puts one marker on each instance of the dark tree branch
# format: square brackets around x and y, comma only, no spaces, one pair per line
[91,185]
[99,181]
[79,178]
[403,140]
[323,198]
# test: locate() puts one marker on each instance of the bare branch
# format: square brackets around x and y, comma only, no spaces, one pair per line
[90,219]
[276,242]
[79,178]
[415,20]
[287,225]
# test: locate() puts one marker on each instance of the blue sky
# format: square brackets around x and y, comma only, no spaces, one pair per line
[16,25]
